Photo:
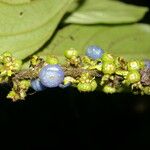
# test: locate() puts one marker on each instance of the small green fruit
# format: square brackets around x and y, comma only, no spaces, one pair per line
[147,90]
[84,87]
[133,76]
[108,68]
[51,60]
[108,89]
[134,65]
[71,53]
[93,85]
[107,58]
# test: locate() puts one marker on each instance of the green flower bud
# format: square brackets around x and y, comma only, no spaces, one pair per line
[19,90]
[24,84]
[84,87]
[13,95]
[16,96]
[35,60]
[71,53]
[107,58]
[98,67]
[51,60]
[85,77]
[74,61]
[133,76]
[93,85]
[17,64]
[122,72]
[108,68]
[146,90]
[134,65]
[86,59]
[69,79]
[104,79]
[108,89]
[117,62]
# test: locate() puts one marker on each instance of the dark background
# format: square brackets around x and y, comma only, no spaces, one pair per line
[67,119]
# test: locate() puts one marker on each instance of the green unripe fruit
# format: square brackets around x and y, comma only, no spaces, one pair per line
[93,85]
[108,89]
[107,58]
[133,76]
[71,53]
[147,90]
[108,68]
[134,65]
[51,60]
[84,87]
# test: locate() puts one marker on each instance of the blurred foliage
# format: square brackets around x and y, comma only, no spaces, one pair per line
[50,27]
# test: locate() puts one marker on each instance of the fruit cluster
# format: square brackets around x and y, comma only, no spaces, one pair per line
[97,70]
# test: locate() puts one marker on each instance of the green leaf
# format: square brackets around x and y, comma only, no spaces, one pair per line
[129,41]
[15,1]
[17,19]
[23,45]
[107,12]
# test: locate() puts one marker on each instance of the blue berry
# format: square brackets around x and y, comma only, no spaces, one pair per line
[94,52]
[51,76]
[147,63]
[37,85]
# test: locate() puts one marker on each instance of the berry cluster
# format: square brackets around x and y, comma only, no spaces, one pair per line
[97,70]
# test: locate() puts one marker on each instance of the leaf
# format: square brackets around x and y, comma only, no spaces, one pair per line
[15,1]
[17,19]
[106,12]
[23,45]
[129,41]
